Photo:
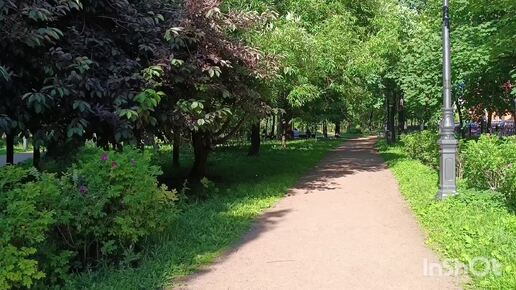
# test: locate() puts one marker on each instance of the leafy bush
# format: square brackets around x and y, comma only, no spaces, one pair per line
[99,211]
[490,163]
[113,201]
[27,215]
[422,146]
[355,130]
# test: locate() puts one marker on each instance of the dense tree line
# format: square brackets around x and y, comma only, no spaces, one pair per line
[120,72]
[129,71]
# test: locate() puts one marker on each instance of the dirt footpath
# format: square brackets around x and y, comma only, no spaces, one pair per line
[345,226]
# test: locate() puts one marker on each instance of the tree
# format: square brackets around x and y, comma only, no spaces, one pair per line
[90,74]
[212,76]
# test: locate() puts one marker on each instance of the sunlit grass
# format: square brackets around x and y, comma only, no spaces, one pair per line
[474,224]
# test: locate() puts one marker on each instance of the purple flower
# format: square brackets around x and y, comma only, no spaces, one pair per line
[104,157]
[133,162]
[83,189]
[114,165]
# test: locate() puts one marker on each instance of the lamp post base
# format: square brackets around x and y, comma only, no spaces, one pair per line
[447,180]
[445,193]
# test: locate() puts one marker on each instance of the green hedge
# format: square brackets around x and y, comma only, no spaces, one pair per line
[490,163]
[99,211]
[486,163]
[422,146]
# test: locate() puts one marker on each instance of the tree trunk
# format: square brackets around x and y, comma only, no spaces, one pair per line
[254,150]
[25,144]
[489,121]
[273,126]
[266,129]
[201,146]
[461,120]
[401,116]
[325,129]
[482,125]
[337,129]
[176,147]
[9,158]
[284,132]
[370,123]
[36,155]
[391,108]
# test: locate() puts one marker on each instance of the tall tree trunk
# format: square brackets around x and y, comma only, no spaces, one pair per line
[482,124]
[266,129]
[461,119]
[9,158]
[36,155]
[401,116]
[337,129]
[176,147]
[279,128]
[201,147]
[284,132]
[325,129]
[25,144]
[254,150]
[273,126]
[391,122]
[489,121]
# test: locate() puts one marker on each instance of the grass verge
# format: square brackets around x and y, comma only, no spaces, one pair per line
[470,226]
[207,227]
[17,149]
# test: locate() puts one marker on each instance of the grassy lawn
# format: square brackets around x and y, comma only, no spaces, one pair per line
[474,224]
[208,226]
[17,149]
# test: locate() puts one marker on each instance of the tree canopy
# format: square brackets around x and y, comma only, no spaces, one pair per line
[126,71]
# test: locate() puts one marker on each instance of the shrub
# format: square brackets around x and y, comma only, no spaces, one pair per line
[355,130]
[422,146]
[27,215]
[112,202]
[489,163]
[99,211]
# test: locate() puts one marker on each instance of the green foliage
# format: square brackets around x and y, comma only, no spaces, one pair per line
[354,131]
[113,201]
[422,146]
[474,224]
[489,163]
[99,211]
[27,216]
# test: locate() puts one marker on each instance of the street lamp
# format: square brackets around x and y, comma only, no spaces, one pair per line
[447,142]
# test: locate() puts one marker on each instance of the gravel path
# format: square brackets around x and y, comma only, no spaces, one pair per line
[345,226]
[18,157]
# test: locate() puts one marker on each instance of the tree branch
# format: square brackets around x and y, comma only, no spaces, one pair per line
[230,134]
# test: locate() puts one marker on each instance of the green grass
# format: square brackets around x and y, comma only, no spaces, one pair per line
[17,149]
[474,224]
[207,227]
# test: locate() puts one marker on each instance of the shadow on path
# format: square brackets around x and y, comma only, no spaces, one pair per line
[357,155]
[344,226]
